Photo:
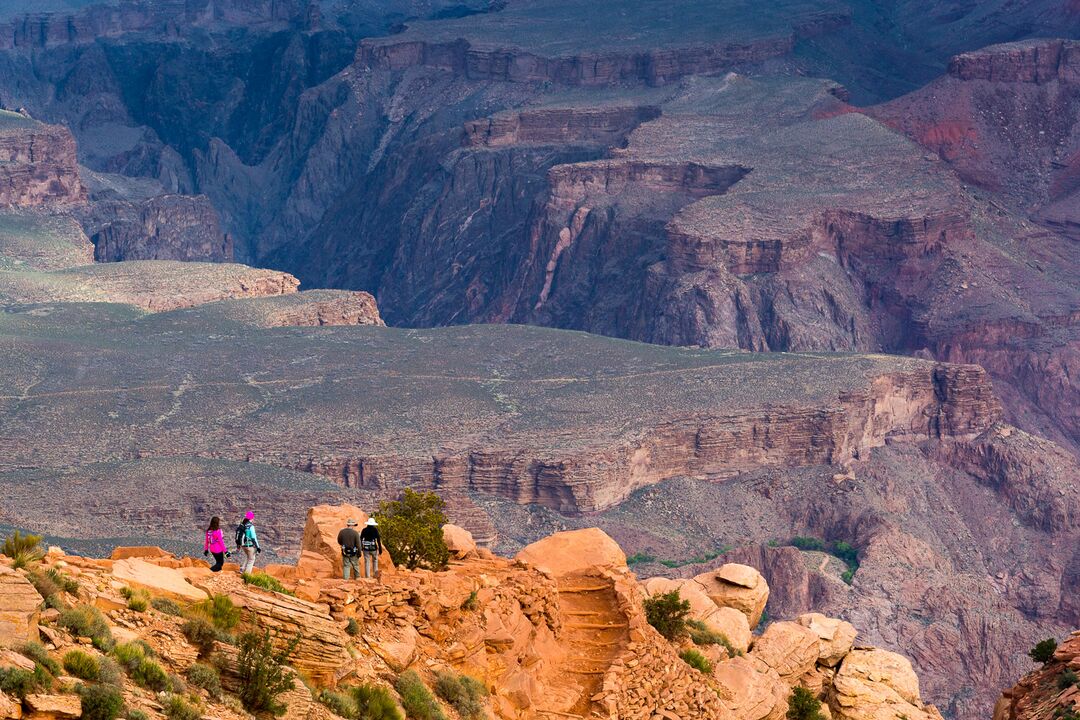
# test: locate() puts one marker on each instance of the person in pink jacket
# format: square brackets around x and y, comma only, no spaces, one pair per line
[215,544]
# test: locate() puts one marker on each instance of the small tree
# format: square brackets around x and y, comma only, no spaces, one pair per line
[263,675]
[411,530]
[667,613]
[802,705]
[1043,652]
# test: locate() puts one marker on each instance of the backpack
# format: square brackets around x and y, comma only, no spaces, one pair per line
[369,544]
[350,551]
[241,531]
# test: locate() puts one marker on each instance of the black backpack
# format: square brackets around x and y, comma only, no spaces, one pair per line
[241,531]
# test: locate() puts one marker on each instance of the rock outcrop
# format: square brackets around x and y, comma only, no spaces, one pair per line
[737,586]
[875,685]
[20,607]
[320,553]
[1046,691]
[37,164]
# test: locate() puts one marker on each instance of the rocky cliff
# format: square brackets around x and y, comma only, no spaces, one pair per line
[37,163]
[1050,691]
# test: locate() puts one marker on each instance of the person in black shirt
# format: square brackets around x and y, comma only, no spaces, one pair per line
[349,540]
[371,546]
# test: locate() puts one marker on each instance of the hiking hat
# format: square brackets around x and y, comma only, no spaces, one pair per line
[351,523]
[249,515]
[371,521]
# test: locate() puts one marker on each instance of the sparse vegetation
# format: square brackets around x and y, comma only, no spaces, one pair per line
[206,677]
[470,603]
[87,621]
[668,613]
[840,549]
[129,655]
[341,704]
[109,672]
[37,652]
[1067,679]
[1044,650]
[137,715]
[697,559]
[701,634]
[23,549]
[137,600]
[266,582]
[167,606]
[412,530]
[417,700]
[52,585]
[696,660]
[263,676]
[151,676]
[463,693]
[352,627]
[100,702]
[201,634]
[177,708]
[640,558]
[18,682]
[374,702]
[81,665]
[802,705]
[221,611]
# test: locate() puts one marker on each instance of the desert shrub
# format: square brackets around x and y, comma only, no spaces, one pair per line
[109,672]
[137,600]
[37,652]
[802,705]
[205,677]
[100,702]
[47,589]
[846,552]
[221,611]
[411,529]
[201,634]
[167,606]
[848,576]
[177,708]
[667,613]
[640,558]
[463,693]
[137,715]
[352,627]
[417,700]
[23,549]
[82,665]
[87,621]
[701,634]
[1043,652]
[808,543]
[340,704]
[150,675]
[1067,679]
[17,682]
[266,582]
[263,676]
[696,660]
[374,702]
[176,684]
[129,655]
[470,603]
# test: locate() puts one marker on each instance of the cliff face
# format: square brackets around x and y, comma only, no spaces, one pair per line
[1047,691]
[37,164]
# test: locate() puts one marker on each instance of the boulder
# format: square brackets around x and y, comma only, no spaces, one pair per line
[157,580]
[10,708]
[788,648]
[52,707]
[459,541]
[397,652]
[139,551]
[12,659]
[20,607]
[573,551]
[874,684]
[729,622]
[836,636]
[737,586]
[321,529]
[750,689]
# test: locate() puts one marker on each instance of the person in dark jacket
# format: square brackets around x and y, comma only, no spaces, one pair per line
[349,540]
[371,546]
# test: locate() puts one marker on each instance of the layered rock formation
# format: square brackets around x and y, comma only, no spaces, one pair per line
[1049,691]
[37,163]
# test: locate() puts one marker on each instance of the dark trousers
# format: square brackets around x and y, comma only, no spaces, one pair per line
[219,560]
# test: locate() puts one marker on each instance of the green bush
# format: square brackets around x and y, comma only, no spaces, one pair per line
[18,682]
[640,558]
[24,550]
[37,652]
[802,705]
[138,600]
[100,702]
[266,582]
[848,576]
[417,700]
[137,715]
[696,660]
[1067,679]
[81,665]
[352,627]
[109,672]
[701,634]
[167,606]
[205,677]
[411,529]
[177,708]
[470,603]
[221,611]
[340,704]
[374,702]
[263,676]
[151,676]
[201,634]
[87,621]
[66,583]
[808,543]
[463,693]
[667,613]
[47,589]
[129,655]
[1044,650]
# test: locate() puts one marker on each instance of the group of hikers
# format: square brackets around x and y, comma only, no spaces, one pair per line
[354,545]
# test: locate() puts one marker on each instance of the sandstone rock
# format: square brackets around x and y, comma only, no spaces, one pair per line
[877,685]
[459,541]
[157,580]
[788,648]
[751,689]
[836,636]
[12,659]
[10,708]
[320,537]
[573,551]
[398,652]
[737,586]
[52,707]
[20,606]
[123,553]
[727,621]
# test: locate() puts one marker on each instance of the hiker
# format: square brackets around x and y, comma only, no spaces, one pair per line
[214,544]
[349,540]
[248,542]
[371,545]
